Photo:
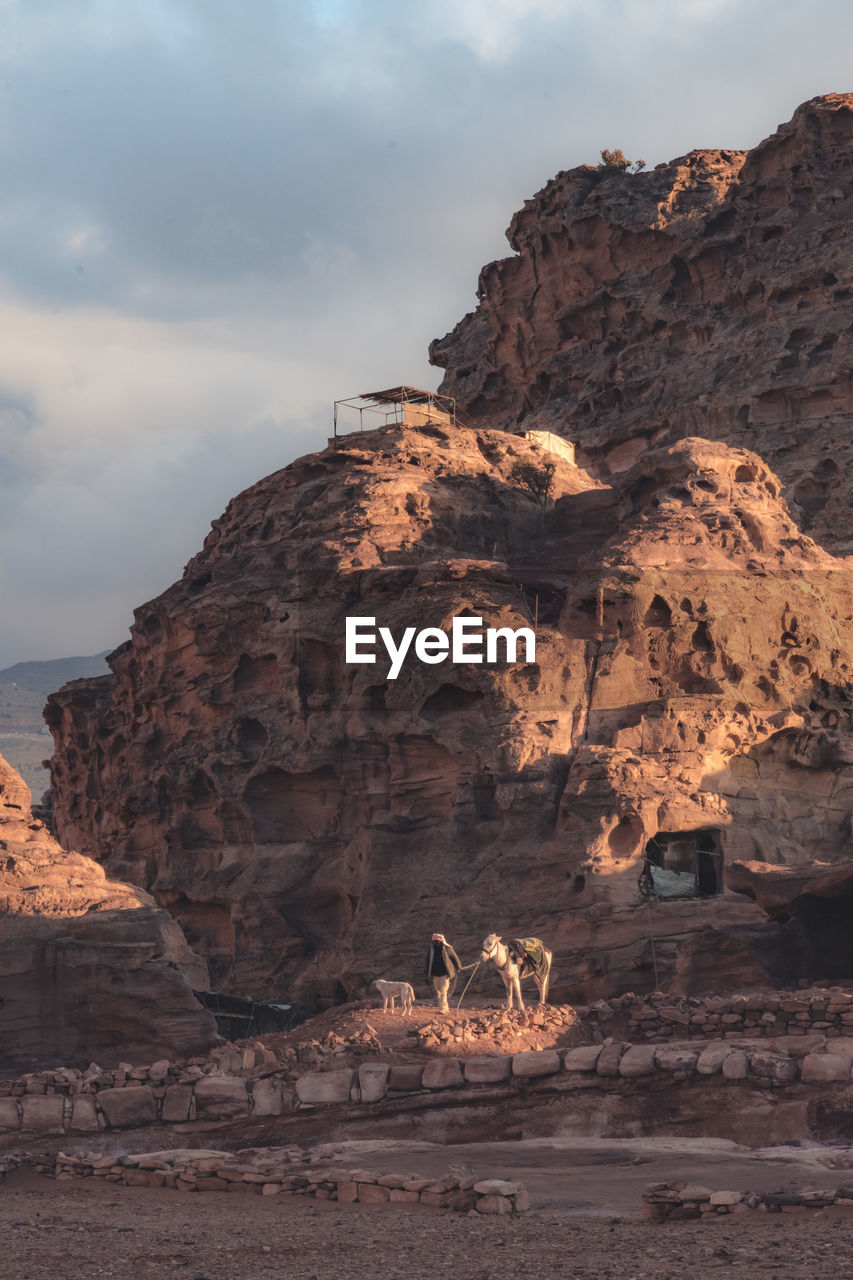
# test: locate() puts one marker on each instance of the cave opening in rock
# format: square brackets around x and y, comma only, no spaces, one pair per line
[823,927]
[684,864]
[208,928]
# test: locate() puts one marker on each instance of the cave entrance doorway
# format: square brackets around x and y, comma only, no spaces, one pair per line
[684,864]
[822,928]
[237,1018]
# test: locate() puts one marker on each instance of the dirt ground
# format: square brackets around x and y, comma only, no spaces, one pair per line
[584,1220]
[76,1230]
[605,1176]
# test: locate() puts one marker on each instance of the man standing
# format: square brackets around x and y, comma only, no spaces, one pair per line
[442,965]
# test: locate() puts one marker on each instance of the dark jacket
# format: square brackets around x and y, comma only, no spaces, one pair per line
[442,961]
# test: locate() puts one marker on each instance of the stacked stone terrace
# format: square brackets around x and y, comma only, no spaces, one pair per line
[825,1010]
[65,1101]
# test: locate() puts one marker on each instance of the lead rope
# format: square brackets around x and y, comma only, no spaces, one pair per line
[468,983]
[652,941]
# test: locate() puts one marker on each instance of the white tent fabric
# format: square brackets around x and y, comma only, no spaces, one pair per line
[673,884]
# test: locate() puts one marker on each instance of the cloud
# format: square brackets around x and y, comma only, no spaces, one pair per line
[492,28]
[216,219]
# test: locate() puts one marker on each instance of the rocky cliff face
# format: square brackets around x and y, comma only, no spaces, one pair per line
[89,968]
[711,296]
[309,823]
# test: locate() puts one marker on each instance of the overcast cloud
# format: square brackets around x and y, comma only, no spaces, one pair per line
[217,218]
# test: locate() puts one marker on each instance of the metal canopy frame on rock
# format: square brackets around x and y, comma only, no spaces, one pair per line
[392,404]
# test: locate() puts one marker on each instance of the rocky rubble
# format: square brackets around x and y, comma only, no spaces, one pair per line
[673,1202]
[499,1025]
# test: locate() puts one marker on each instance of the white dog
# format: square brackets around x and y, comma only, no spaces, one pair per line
[391,991]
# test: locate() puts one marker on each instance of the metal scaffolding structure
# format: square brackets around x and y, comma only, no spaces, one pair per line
[395,405]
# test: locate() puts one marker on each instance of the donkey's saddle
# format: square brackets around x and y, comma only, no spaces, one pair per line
[530,955]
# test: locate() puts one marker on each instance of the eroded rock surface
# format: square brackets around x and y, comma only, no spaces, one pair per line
[711,296]
[89,968]
[310,823]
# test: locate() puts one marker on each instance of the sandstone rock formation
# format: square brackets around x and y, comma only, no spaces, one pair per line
[309,823]
[711,296]
[89,968]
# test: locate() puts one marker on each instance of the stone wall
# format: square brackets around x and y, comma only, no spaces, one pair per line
[824,1010]
[673,1202]
[75,1102]
[270,1174]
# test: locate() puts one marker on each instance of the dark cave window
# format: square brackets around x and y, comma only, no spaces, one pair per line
[683,864]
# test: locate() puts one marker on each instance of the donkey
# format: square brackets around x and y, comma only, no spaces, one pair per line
[512,972]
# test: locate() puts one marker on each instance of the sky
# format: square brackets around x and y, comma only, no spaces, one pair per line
[218,217]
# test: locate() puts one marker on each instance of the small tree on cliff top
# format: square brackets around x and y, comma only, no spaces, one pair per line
[616,160]
[537,480]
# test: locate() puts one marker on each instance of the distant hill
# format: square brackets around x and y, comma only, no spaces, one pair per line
[47,677]
[24,739]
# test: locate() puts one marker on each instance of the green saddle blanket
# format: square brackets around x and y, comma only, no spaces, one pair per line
[531,952]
